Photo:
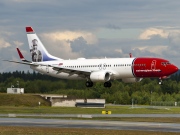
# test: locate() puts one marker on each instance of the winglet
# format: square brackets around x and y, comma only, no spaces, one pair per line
[21,56]
[29,29]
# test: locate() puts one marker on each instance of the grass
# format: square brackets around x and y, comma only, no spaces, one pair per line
[26,103]
[22,100]
[71,131]
[75,110]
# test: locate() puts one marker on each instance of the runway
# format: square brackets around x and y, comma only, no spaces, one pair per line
[91,124]
[94,115]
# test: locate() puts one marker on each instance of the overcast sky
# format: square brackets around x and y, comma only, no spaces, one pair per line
[91,29]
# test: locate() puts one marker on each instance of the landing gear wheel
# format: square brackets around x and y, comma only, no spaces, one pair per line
[89,84]
[107,84]
[160,82]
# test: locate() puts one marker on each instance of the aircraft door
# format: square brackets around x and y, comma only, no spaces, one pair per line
[102,66]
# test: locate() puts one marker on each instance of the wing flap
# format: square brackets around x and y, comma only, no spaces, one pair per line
[71,71]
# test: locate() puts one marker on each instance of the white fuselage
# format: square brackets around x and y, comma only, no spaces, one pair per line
[119,67]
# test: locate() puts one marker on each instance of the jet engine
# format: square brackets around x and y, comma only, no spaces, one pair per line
[100,76]
[131,80]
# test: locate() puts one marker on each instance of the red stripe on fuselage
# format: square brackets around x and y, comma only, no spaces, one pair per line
[151,67]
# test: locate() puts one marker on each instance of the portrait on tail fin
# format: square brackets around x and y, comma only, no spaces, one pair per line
[35,53]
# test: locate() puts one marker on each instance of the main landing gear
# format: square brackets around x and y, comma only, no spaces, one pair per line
[107,84]
[90,84]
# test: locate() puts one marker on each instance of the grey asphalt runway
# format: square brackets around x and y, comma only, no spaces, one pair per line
[94,115]
[92,124]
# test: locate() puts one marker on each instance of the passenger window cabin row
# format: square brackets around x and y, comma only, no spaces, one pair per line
[104,65]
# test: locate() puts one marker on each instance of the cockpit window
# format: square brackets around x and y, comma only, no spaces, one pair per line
[165,63]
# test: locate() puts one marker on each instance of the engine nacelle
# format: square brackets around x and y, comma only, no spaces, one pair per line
[100,76]
[131,80]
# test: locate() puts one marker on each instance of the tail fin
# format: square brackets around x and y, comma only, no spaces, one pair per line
[37,49]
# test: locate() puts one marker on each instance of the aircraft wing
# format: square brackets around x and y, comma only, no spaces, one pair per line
[82,73]
[70,71]
[55,67]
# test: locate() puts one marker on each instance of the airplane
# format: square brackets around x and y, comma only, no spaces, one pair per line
[129,70]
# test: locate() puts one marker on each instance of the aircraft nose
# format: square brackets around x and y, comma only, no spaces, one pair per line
[174,68]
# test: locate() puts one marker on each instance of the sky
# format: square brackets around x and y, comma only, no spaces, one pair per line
[74,29]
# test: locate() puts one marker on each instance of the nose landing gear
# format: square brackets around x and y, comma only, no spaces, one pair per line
[161,78]
[160,81]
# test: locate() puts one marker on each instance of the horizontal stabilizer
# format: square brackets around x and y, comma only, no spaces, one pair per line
[25,63]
